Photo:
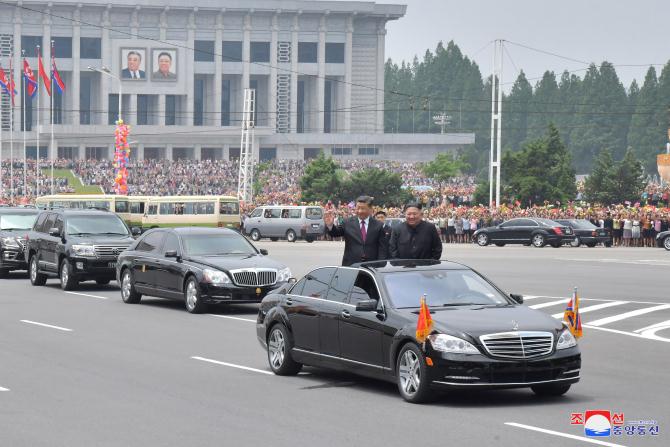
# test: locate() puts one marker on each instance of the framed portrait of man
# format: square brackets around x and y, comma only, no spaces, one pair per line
[164,64]
[133,63]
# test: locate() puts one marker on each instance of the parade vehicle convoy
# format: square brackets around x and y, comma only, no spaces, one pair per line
[586,233]
[285,222]
[363,319]
[200,266]
[14,225]
[527,231]
[663,239]
[76,245]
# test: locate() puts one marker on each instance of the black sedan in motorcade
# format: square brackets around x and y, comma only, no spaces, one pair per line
[198,265]
[586,233]
[527,231]
[14,225]
[663,239]
[363,319]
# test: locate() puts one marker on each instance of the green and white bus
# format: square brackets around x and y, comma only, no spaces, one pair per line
[203,211]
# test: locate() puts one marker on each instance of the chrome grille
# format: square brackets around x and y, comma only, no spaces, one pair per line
[518,345]
[109,250]
[254,277]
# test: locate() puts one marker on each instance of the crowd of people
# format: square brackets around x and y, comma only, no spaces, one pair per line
[12,174]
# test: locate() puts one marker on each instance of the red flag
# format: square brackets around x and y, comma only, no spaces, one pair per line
[56,76]
[571,316]
[43,73]
[424,326]
[4,82]
[31,82]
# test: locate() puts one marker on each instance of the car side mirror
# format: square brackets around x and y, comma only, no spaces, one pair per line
[55,232]
[172,254]
[366,305]
[292,280]
[263,251]
[517,298]
[136,231]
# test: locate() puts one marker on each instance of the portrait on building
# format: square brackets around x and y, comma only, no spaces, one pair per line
[133,62]
[164,64]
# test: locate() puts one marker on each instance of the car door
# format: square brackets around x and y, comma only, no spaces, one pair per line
[169,272]
[334,309]
[523,230]
[504,231]
[144,263]
[48,245]
[303,305]
[362,332]
[273,223]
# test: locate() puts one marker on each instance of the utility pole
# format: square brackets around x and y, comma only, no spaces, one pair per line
[246,175]
[496,118]
[442,120]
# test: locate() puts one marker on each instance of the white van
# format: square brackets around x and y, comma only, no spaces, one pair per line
[285,222]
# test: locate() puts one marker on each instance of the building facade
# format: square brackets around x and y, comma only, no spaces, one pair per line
[177,72]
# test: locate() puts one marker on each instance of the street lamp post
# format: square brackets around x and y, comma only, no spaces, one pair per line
[106,71]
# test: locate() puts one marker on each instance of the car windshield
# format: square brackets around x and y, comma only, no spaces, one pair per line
[17,221]
[583,224]
[213,245]
[442,288]
[95,225]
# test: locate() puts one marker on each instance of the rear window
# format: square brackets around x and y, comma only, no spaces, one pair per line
[229,208]
[121,206]
[314,213]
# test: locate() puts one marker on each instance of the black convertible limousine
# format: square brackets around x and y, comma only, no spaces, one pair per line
[363,319]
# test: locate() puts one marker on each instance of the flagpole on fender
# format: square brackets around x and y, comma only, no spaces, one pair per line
[37,156]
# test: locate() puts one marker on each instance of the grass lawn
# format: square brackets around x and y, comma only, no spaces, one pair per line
[73,181]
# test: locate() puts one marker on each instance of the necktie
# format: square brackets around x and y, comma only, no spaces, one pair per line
[364,233]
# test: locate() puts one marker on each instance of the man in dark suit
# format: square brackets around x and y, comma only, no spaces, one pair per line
[364,238]
[132,71]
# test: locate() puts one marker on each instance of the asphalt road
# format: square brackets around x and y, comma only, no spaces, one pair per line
[105,373]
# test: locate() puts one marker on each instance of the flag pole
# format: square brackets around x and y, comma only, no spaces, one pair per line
[25,126]
[52,150]
[37,157]
[11,129]
[2,113]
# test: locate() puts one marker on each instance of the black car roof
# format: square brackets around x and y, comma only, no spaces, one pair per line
[203,230]
[79,212]
[402,265]
[18,210]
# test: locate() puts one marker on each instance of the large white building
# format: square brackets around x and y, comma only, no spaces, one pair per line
[317,68]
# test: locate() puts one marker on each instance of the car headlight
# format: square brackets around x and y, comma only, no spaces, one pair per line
[10,242]
[454,345]
[83,250]
[284,275]
[566,340]
[215,277]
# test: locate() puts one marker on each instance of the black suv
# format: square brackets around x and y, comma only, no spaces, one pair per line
[14,224]
[76,245]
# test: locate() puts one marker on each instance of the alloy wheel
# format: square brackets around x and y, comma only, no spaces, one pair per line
[277,348]
[125,286]
[191,295]
[410,372]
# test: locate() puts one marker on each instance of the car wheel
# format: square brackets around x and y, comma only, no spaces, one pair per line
[538,240]
[556,244]
[36,278]
[255,235]
[575,242]
[4,273]
[412,375]
[309,239]
[482,239]
[500,244]
[666,243]
[290,236]
[274,239]
[102,282]
[591,244]
[67,280]
[279,352]
[192,298]
[128,293]
[554,389]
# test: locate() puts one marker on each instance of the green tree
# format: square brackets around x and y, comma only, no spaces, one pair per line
[515,112]
[444,167]
[599,184]
[646,134]
[385,187]
[628,180]
[320,181]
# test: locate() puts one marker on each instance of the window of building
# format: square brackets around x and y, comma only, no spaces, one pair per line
[170,110]
[341,151]
[112,109]
[368,151]
[85,98]
[58,106]
[204,51]
[210,153]
[142,110]
[68,153]
[29,44]
[90,47]
[232,51]
[199,102]
[153,153]
[234,153]
[95,153]
[260,52]
[268,153]
[308,52]
[62,47]
[334,53]
[225,102]
[312,152]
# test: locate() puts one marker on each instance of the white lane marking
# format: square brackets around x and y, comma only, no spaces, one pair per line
[4,389]
[232,318]
[630,334]
[531,297]
[564,435]
[232,365]
[633,313]
[594,299]
[658,262]
[47,325]
[552,303]
[584,310]
[653,326]
[88,295]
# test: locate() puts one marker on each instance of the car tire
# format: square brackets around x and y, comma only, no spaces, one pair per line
[102,282]
[309,239]
[4,273]
[274,239]
[575,242]
[67,279]
[128,293]
[192,297]
[483,239]
[591,244]
[666,243]
[556,244]
[411,368]
[279,352]
[500,244]
[36,278]
[255,235]
[291,236]
[551,390]
[538,240]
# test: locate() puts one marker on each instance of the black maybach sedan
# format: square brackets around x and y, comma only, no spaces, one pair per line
[198,265]
[15,223]
[586,233]
[363,319]
[527,231]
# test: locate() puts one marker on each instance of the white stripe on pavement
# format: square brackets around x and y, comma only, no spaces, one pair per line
[630,334]
[564,435]
[4,389]
[633,313]
[532,297]
[232,318]
[552,303]
[47,325]
[232,365]
[653,326]
[583,310]
[90,296]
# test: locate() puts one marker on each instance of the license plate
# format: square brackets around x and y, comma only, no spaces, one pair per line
[111,265]
[602,233]
[315,225]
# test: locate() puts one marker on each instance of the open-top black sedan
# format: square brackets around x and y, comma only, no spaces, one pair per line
[200,266]
[586,233]
[363,319]
[525,230]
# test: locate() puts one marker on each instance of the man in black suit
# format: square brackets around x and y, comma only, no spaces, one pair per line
[132,71]
[364,238]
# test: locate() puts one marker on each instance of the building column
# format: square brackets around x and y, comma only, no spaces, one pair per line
[321,78]
[381,39]
[197,152]
[135,26]
[163,23]
[105,81]
[168,152]
[139,152]
[75,91]
[294,74]
[81,151]
[131,116]
[18,68]
[246,53]
[110,151]
[218,70]
[348,58]
[272,122]
[225,155]
[190,80]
